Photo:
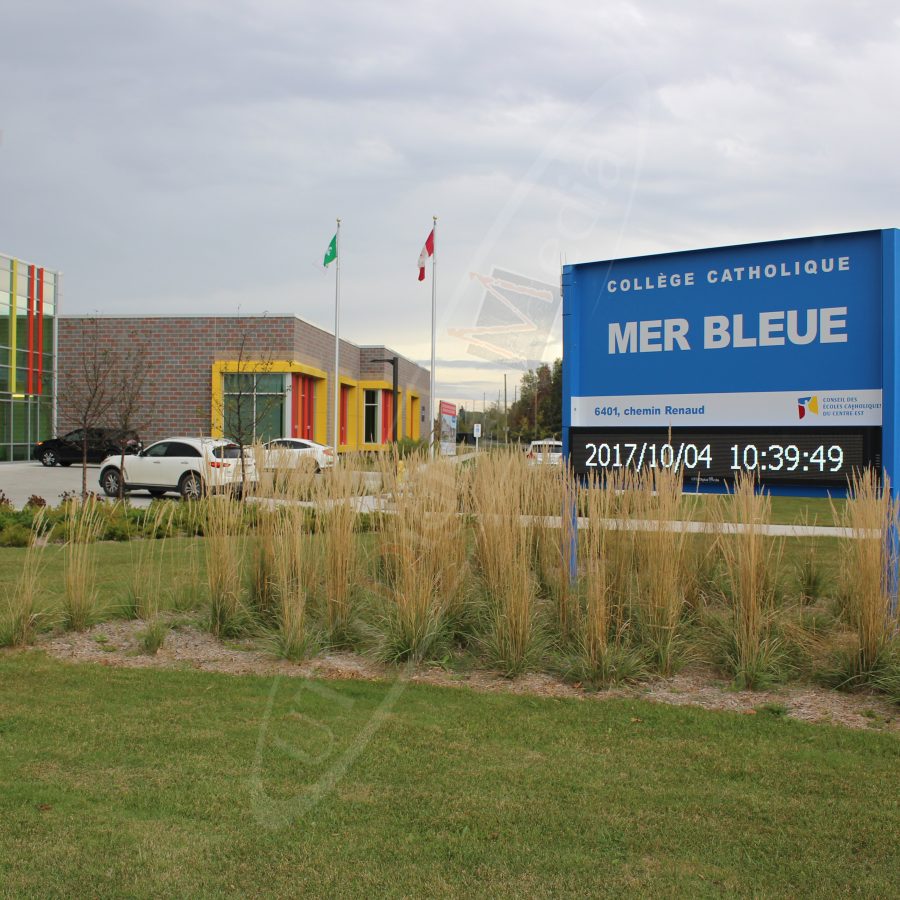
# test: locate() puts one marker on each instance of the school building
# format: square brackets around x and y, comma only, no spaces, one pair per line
[265,376]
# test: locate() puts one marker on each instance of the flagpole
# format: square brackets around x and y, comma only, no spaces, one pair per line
[337,340]
[433,309]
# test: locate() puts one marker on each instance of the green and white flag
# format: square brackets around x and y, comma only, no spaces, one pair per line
[331,252]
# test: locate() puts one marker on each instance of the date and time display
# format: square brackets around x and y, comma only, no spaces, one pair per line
[821,456]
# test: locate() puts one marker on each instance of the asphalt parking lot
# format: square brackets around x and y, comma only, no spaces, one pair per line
[20,480]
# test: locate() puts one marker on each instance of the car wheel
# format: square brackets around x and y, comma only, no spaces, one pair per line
[48,458]
[156,492]
[191,487]
[110,481]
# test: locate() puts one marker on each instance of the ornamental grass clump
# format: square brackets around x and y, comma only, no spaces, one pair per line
[337,495]
[19,616]
[295,569]
[553,505]
[659,563]
[84,522]
[422,549]
[868,560]
[147,551]
[501,492]
[223,523]
[605,654]
[262,593]
[753,650]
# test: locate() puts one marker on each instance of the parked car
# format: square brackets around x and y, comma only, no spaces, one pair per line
[101,442]
[545,452]
[292,453]
[188,466]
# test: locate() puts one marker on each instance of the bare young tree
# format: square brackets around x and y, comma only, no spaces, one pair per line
[130,410]
[242,411]
[87,392]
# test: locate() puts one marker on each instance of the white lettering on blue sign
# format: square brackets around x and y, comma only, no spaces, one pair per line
[827,325]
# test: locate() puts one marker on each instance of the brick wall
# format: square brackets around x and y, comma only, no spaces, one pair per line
[178,354]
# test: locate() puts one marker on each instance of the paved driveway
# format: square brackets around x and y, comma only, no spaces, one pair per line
[22,479]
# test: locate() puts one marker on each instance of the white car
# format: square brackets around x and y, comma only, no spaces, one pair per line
[188,466]
[293,453]
[545,452]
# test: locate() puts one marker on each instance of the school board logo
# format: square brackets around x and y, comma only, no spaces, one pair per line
[807,404]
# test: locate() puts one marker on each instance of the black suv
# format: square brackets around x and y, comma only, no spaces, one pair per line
[101,442]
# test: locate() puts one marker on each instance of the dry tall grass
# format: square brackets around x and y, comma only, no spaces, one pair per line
[145,591]
[19,616]
[83,526]
[659,564]
[263,597]
[752,562]
[295,562]
[423,551]
[501,494]
[337,493]
[868,563]
[224,527]
[553,504]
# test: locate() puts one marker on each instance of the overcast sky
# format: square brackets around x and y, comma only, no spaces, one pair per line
[193,155]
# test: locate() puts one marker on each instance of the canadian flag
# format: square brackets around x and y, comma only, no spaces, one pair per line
[427,250]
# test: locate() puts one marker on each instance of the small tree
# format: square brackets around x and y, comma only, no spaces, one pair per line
[87,392]
[130,410]
[242,413]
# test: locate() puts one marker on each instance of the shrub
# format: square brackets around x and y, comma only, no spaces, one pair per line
[35,502]
[14,535]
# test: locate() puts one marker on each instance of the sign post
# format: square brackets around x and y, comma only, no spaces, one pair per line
[476,430]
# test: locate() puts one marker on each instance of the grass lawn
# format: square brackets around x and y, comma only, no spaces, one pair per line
[155,783]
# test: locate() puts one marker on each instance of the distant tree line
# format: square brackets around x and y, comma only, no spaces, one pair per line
[536,413]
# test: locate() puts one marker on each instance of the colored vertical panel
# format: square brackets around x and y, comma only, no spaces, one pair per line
[30,365]
[309,408]
[40,332]
[387,416]
[295,405]
[345,403]
[13,309]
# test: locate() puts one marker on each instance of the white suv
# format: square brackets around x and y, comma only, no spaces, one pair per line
[189,466]
[294,453]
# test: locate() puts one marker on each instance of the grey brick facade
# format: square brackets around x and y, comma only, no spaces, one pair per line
[180,354]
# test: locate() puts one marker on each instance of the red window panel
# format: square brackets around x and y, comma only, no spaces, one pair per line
[303,406]
[387,416]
